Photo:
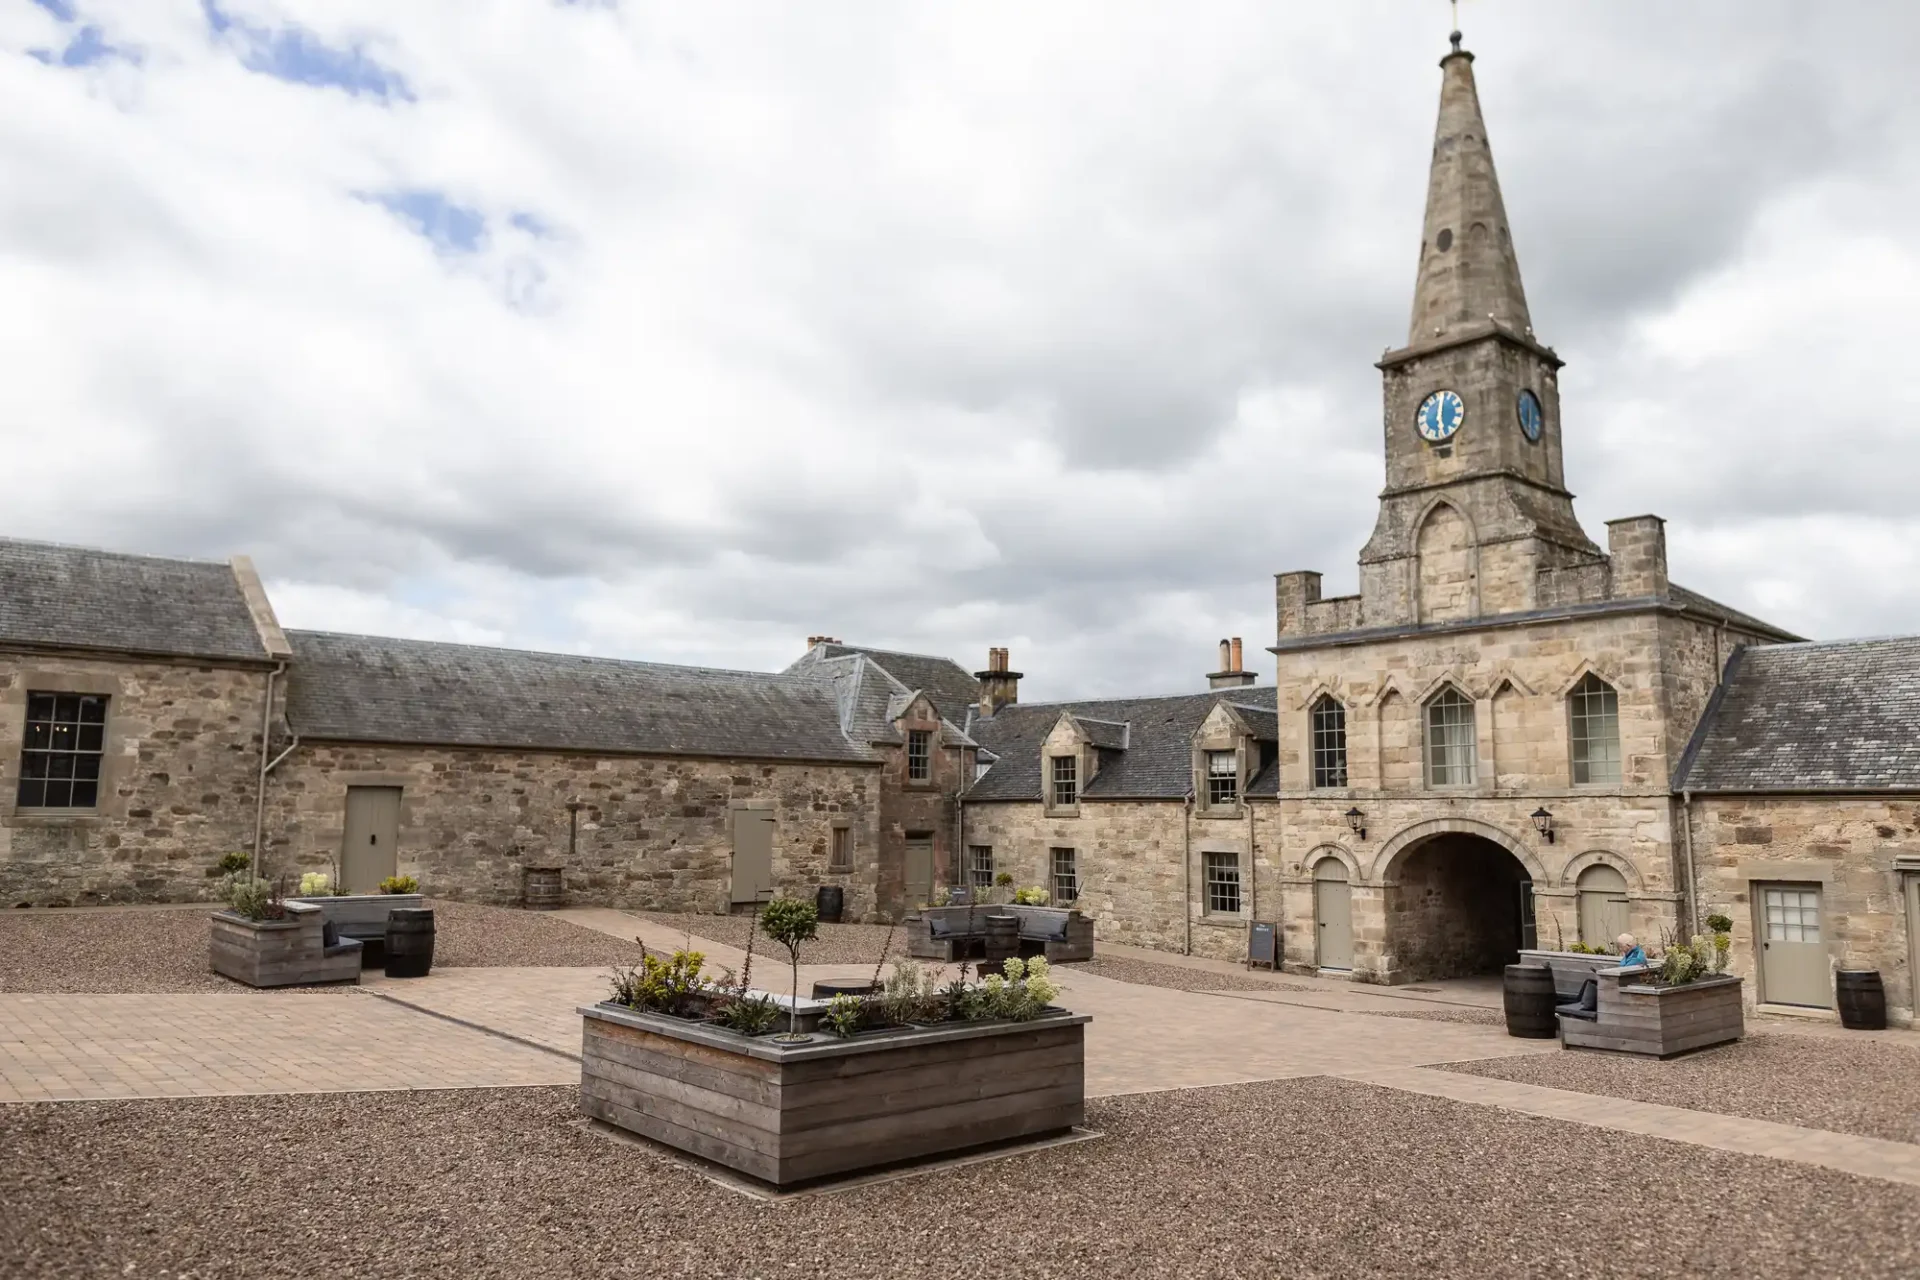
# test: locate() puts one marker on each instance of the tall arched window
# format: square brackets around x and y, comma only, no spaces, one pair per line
[1329,742]
[1594,732]
[1451,744]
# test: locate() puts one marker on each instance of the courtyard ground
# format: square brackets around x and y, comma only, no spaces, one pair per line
[1251,1125]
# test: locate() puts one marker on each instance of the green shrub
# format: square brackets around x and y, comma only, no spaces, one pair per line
[399,884]
[845,1014]
[316,884]
[1720,923]
[238,860]
[252,897]
[790,922]
[1581,949]
[748,1015]
[909,995]
[660,986]
[1032,896]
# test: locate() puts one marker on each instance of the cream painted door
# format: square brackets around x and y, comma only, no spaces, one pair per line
[1793,955]
[370,850]
[752,854]
[1604,913]
[919,869]
[1333,915]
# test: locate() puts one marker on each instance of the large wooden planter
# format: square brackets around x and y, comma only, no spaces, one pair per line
[790,1114]
[1638,1017]
[1570,968]
[280,953]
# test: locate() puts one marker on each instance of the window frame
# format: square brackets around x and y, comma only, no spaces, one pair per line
[83,766]
[1066,886]
[1327,757]
[1071,781]
[920,763]
[1451,697]
[1215,887]
[1222,788]
[1592,688]
[979,877]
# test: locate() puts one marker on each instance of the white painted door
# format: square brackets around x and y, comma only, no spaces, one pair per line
[1793,955]
[370,849]
[1333,914]
[752,854]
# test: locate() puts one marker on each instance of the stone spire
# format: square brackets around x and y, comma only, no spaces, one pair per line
[1468,271]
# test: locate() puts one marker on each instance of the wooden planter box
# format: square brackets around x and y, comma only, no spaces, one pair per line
[280,953]
[1570,968]
[1638,1017]
[787,1115]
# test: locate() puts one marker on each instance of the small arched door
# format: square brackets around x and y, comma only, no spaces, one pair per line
[1604,913]
[1332,915]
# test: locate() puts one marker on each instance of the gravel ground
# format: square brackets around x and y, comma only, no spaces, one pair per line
[1477,1017]
[1302,1178]
[1865,1087]
[1174,977]
[148,952]
[837,943]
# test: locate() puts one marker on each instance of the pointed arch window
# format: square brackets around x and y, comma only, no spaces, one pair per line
[1451,742]
[1593,710]
[1329,731]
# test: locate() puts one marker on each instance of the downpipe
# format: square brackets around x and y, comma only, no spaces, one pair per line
[266,766]
[1187,863]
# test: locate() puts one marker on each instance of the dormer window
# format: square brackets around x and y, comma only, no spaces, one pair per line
[1066,782]
[919,755]
[1223,779]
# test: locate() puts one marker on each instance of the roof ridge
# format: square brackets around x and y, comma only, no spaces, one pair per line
[778,677]
[898,653]
[1144,697]
[109,551]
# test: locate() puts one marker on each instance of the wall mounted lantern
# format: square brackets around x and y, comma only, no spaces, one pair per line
[1543,823]
[1357,821]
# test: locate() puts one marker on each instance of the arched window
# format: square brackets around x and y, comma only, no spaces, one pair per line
[1604,909]
[1329,729]
[1594,732]
[1451,745]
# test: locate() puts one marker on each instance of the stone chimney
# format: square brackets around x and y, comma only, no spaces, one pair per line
[1637,549]
[814,642]
[999,687]
[1230,675]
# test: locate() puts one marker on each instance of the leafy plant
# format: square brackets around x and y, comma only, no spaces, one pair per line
[845,1014]
[1031,896]
[910,995]
[748,1015]
[1720,923]
[316,884]
[1579,949]
[790,922]
[238,860]
[399,884]
[254,897]
[661,986]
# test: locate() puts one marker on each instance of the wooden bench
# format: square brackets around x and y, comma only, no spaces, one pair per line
[1634,1016]
[1060,934]
[281,953]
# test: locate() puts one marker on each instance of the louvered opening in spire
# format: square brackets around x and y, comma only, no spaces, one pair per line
[1468,271]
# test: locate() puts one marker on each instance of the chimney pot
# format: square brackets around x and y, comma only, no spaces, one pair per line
[1236,655]
[1226,655]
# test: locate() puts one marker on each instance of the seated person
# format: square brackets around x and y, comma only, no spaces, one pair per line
[1631,953]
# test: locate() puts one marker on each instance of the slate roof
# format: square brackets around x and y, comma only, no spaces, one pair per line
[949,684]
[1158,761]
[1713,608]
[869,699]
[1841,716]
[80,598]
[376,689]
[1110,735]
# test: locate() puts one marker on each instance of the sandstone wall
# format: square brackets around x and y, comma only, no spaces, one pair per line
[178,779]
[654,833]
[1845,845]
[911,808]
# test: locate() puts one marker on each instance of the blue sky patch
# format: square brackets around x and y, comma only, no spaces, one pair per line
[451,227]
[296,55]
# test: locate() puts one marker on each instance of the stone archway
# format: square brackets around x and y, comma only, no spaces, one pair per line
[1459,902]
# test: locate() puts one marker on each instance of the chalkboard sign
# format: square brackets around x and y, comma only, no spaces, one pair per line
[1260,944]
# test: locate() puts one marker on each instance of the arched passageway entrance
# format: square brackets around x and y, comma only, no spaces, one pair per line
[1458,905]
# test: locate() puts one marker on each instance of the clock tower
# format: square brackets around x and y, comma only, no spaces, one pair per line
[1475,486]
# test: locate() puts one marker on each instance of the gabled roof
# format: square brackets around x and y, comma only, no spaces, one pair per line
[869,699]
[1108,735]
[943,680]
[1841,716]
[1156,764]
[79,598]
[377,689]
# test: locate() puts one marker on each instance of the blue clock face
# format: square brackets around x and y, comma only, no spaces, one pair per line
[1532,420]
[1440,416]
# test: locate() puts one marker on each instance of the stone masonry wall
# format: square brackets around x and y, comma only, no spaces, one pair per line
[1844,844]
[909,808]
[655,832]
[177,788]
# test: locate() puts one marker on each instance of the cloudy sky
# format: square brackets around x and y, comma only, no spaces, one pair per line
[685,331]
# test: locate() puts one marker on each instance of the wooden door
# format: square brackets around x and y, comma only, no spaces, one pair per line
[370,850]
[1333,914]
[1793,955]
[752,855]
[1604,913]
[919,869]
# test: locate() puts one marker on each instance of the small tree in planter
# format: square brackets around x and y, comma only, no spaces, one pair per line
[790,922]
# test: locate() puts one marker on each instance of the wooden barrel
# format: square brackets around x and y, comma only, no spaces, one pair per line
[830,900]
[1002,936]
[543,888]
[1862,999]
[409,942]
[1529,1001]
[831,987]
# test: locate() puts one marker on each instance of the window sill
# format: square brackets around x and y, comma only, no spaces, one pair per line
[1222,813]
[1222,920]
[1064,813]
[56,817]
